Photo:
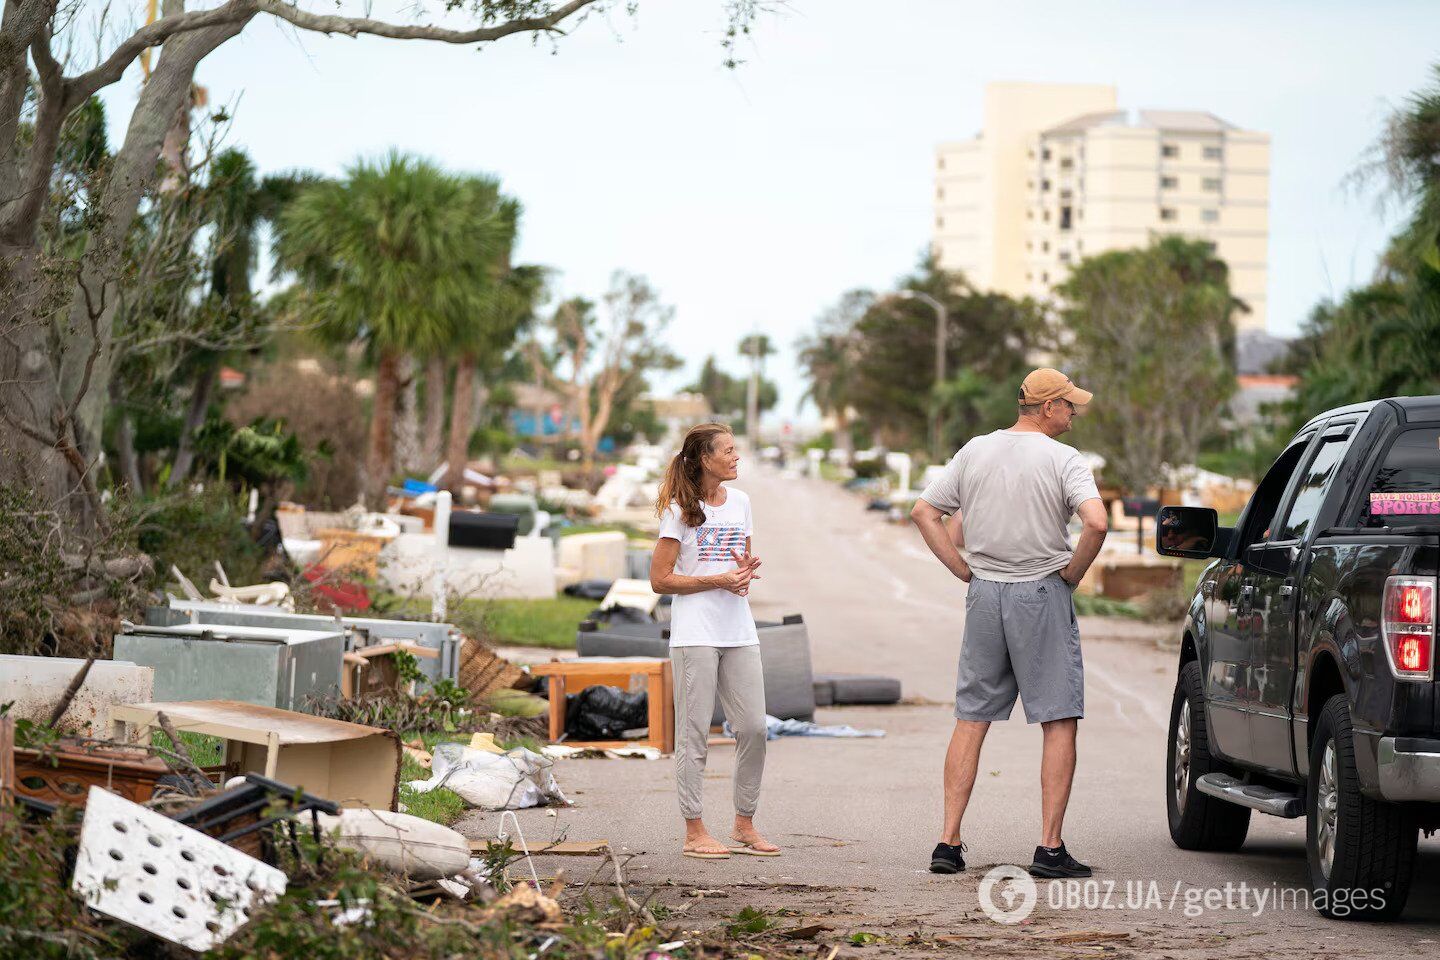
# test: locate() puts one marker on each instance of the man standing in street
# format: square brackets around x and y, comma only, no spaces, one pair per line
[1010,496]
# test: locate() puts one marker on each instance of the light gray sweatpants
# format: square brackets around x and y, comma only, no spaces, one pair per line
[735,675]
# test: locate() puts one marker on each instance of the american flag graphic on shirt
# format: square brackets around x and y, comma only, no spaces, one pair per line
[717,542]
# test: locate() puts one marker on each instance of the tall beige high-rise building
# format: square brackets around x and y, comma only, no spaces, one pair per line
[1060,173]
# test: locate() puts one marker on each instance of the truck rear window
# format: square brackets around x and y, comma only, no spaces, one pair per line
[1406,489]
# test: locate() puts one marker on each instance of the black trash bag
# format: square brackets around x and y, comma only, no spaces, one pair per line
[619,613]
[589,589]
[604,713]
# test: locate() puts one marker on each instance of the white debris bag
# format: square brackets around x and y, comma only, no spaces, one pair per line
[493,781]
[418,848]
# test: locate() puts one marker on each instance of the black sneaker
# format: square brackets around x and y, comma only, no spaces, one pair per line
[1057,864]
[947,859]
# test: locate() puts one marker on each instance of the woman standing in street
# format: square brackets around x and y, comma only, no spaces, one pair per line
[703,557]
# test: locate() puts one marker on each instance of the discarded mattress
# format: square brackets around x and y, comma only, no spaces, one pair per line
[492,781]
[784,653]
[843,689]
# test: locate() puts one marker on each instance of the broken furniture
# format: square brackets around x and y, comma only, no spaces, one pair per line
[64,772]
[442,637]
[847,689]
[153,873]
[351,764]
[266,666]
[591,556]
[784,653]
[239,816]
[635,594]
[352,552]
[376,670]
[34,685]
[1121,576]
[569,676]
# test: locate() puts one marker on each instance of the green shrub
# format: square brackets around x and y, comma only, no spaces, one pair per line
[193,531]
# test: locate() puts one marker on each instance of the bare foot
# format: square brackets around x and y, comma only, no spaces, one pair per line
[705,847]
[752,842]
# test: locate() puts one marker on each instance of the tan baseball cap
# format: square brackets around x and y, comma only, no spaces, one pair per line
[1048,384]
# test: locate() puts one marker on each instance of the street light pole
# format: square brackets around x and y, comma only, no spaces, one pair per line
[942,322]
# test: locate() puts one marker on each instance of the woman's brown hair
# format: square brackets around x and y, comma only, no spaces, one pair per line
[682,478]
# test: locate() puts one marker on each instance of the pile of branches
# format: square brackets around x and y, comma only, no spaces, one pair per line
[62,594]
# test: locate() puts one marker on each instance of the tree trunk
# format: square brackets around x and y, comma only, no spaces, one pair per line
[434,411]
[129,461]
[88,359]
[200,395]
[843,441]
[407,426]
[462,409]
[381,459]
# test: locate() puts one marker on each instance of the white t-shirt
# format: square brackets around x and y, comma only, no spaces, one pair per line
[712,618]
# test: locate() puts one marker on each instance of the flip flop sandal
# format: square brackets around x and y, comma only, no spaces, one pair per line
[750,850]
[698,855]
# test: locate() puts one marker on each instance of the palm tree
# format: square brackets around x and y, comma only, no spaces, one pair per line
[238,203]
[509,309]
[1410,158]
[396,256]
[757,347]
[829,362]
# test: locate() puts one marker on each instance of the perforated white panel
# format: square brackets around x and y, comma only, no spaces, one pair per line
[165,878]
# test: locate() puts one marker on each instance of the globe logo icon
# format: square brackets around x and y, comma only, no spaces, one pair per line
[1007,894]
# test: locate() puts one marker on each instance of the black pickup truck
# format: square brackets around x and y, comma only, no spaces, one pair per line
[1307,668]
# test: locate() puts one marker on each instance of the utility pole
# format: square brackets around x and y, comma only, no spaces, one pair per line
[942,322]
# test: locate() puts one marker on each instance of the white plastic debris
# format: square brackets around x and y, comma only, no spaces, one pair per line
[491,781]
[145,869]
[421,849]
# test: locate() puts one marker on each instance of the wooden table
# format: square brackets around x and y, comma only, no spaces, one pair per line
[570,676]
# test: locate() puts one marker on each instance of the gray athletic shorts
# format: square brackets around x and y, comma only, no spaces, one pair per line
[1020,638]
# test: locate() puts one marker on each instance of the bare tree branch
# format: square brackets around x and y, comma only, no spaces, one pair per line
[80,88]
[354,26]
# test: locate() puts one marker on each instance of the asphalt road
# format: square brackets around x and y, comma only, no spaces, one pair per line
[858,817]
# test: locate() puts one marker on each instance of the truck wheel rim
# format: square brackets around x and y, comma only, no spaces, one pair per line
[1182,755]
[1327,810]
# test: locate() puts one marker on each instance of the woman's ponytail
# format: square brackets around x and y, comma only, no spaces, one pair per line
[681,483]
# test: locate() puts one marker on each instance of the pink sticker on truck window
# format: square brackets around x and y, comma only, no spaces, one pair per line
[1404,504]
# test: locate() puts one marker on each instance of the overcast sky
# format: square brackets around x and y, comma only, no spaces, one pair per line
[752,198]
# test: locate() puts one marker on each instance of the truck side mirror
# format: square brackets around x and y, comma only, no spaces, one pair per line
[1192,532]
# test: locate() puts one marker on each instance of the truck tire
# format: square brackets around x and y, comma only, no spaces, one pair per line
[1361,851]
[1197,821]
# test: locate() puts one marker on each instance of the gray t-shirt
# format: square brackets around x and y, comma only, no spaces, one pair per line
[1016,492]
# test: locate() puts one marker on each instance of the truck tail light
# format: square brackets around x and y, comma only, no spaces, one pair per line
[1407,627]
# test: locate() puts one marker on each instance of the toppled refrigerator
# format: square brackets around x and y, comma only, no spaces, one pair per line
[266,666]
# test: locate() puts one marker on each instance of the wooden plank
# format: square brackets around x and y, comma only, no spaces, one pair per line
[383,649]
[586,667]
[566,848]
